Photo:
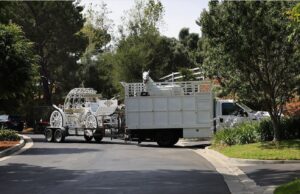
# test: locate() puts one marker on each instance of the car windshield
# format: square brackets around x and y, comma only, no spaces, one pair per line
[246,108]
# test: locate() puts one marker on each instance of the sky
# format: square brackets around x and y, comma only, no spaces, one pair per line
[178,13]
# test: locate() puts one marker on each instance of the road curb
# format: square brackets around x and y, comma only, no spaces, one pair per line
[232,164]
[237,181]
[239,161]
[13,149]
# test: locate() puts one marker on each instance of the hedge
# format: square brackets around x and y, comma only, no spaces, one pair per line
[8,135]
[251,132]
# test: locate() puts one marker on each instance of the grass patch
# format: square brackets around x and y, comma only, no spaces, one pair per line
[289,188]
[283,150]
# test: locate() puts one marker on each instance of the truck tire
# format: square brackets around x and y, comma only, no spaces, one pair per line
[166,139]
[98,138]
[49,135]
[59,136]
[175,140]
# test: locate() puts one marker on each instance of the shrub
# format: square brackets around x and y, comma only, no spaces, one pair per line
[8,135]
[289,129]
[265,129]
[243,133]
[251,132]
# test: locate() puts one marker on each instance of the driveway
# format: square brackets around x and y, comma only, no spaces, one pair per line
[110,167]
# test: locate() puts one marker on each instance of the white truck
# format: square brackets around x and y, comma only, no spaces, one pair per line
[160,112]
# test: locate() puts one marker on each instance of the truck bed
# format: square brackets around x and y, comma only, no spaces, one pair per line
[191,113]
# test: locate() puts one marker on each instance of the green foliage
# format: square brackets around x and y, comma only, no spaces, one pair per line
[292,187]
[145,17]
[294,13]
[191,43]
[98,75]
[187,75]
[54,28]
[247,44]
[251,132]
[281,150]
[18,69]
[141,47]
[96,67]
[290,129]
[243,133]
[8,135]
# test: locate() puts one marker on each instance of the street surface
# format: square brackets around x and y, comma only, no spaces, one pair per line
[272,174]
[110,167]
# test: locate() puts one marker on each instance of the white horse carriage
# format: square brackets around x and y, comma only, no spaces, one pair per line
[83,113]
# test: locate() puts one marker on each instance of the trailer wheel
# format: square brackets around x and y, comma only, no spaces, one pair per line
[59,136]
[88,138]
[49,135]
[91,121]
[166,139]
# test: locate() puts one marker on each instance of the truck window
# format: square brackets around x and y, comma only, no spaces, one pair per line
[229,108]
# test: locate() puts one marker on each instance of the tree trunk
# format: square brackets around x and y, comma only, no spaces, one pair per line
[47,94]
[45,81]
[276,127]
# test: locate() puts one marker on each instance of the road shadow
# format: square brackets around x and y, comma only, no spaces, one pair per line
[267,177]
[69,140]
[195,146]
[57,151]
[19,178]
[72,139]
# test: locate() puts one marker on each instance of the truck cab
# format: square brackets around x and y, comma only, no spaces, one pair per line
[228,113]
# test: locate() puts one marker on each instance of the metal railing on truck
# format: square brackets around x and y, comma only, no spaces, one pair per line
[189,88]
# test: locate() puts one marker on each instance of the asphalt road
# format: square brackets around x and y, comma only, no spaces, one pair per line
[109,167]
[272,174]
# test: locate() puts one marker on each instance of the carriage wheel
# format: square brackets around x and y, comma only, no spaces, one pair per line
[56,119]
[91,122]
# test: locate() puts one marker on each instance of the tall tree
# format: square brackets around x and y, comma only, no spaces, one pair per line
[145,17]
[53,27]
[247,44]
[191,42]
[137,49]
[17,64]
[96,68]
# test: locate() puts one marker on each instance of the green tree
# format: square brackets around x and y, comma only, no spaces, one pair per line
[96,68]
[145,17]
[17,64]
[54,28]
[294,13]
[247,45]
[187,75]
[191,43]
[140,45]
